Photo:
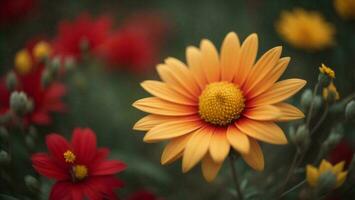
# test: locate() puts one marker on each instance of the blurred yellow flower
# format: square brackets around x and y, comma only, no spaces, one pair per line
[219,101]
[345,8]
[23,61]
[327,71]
[41,50]
[331,93]
[305,29]
[313,174]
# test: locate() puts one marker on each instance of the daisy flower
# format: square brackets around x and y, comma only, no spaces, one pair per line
[81,170]
[219,101]
[326,169]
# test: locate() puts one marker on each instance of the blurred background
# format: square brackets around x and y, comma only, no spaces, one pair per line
[108,47]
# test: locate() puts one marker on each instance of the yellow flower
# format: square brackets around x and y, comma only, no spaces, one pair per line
[41,50]
[218,101]
[331,93]
[313,173]
[305,29]
[345,8]
[23,62]
[327,71]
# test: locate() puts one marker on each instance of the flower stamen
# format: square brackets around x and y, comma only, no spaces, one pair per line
[69,156]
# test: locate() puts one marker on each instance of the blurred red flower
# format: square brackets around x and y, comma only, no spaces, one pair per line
[45,99]
[342,152]
[79,167]
[143,195]
[83,32]
[13,10]
[135,45]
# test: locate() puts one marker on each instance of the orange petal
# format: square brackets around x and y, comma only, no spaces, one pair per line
[158,106]
[196,148]
[238,140]
[262,69]
[341,179]
[325,166]
[163,91]
[312,175]
[265,131]
[289,112]
[263,113]
[246,59]
[194,57]
[149,121]
[173,129]
[174,149]
[210,61]
[219,145]
[338,167]
[173,80]
[229,56]
[210,168]
[278,92]
[184,76]
[255,157]
[271,78]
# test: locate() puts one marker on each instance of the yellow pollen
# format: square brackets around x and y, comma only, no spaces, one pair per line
[80,171]
[41,50]
[69,156]
[221,103]
[23,62]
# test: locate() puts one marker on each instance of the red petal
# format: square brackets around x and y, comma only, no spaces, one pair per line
[60,191]
[46,166]
[108,168]
[77,192]
[57,145]
[101,154]
[84,145]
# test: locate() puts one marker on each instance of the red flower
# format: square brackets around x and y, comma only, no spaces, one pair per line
[13,10]
[143,195]
[80,168]
[73,35]
[342,152]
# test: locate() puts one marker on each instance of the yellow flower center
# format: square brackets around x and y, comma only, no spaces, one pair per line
[23,62]
[69,156]
[80,171]
[221,103]
[41,50]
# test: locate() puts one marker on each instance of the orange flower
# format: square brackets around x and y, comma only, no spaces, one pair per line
[218,102]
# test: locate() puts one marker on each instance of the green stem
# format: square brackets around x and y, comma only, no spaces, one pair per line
[322,118]
[310,112]
[235,177]
[293,188]
[289,173]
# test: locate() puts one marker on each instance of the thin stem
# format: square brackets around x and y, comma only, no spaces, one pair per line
[322,118]
[293,188]
[310,112]
[235,178]
[289,173]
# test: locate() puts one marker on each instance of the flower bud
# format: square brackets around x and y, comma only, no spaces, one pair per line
[324,80]
[301,137]
[31,183]
[330,143]
[306,99]
[326,75]
[350,110]
[19,103]
[4,134]
[69,63]
[55,65]
[330,93]
[41,50]
[32,132]
[326,182]
[11,81]
[30,143]
[47,78]
[4,158]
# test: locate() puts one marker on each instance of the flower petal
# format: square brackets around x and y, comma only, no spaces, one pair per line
[57,145]
[271,78]
[278,92]
[341,179]
[219,146]
[210,61]
[46,166]
[229,56]
[173,129]
[149,121]
[157,106]
[263,113]
[246,59]
[312,175]
[108,167]
[84,145]
[174,148]
[265,131]
[163,91]
[288,112]
[194,57]
[238,140]
[196,148]
[210,168]
[324,166]
[262,69]
[255,157]
[338,167]
[60,190]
